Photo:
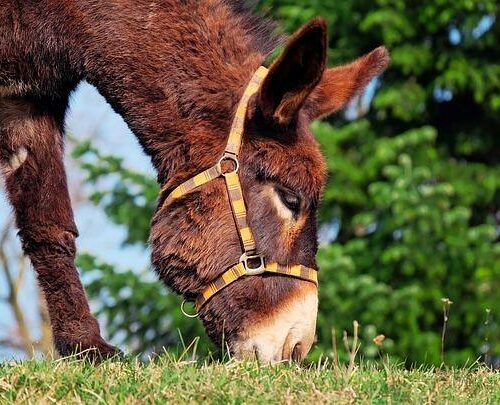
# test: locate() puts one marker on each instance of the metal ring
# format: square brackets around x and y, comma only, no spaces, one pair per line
[185,313]
[232,158]
[253,271]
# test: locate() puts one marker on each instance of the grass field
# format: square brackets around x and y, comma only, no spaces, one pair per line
[173,381]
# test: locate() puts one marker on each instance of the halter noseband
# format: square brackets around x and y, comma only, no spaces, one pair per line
[251,263]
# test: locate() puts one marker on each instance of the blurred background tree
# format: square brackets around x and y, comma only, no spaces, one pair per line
[411,213]
[21,336]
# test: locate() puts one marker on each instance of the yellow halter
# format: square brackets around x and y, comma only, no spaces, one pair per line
[251,263]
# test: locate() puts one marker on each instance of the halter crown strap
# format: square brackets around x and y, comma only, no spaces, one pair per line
[236,132]
[250,262]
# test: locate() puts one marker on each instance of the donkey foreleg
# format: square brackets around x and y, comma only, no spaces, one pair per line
[31,159]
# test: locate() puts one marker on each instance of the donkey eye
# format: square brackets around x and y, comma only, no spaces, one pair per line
[289,199]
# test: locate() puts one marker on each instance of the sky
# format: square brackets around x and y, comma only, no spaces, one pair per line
[89,116]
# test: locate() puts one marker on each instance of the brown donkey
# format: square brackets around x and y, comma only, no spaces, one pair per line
[176,71]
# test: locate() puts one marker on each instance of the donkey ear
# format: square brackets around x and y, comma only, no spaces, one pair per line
[339,84]
[293,76]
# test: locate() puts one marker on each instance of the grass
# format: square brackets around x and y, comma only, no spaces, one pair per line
[169,380]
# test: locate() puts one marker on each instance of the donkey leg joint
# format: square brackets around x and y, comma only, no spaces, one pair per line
[49,241]
[14,162]
[18,158]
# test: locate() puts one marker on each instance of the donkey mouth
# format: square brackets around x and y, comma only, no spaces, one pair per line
[287,334]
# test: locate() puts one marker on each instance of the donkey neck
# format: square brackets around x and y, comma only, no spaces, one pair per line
[174,72]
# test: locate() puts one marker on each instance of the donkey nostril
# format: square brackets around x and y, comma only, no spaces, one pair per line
[255,350]
[296,352]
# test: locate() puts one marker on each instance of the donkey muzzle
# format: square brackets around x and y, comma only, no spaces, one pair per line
[285,334]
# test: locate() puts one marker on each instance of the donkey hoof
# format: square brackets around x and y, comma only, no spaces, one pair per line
[94,349]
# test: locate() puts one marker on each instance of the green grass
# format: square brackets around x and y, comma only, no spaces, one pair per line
[168,380]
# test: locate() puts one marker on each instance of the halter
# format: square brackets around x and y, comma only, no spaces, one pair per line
[251,263]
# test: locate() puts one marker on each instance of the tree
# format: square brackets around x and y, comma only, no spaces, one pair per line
[414,186]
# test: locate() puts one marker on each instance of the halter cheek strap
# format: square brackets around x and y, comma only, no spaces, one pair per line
[251,263]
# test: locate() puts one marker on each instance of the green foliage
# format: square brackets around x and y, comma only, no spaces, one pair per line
[131,198]
[407,243]
[414,185]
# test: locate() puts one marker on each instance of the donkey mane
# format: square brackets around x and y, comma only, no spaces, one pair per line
[201,55]
[261,28]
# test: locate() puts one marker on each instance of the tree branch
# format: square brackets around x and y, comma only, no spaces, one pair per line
[12,298]
[17,345]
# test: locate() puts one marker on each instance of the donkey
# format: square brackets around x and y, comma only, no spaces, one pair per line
[176,71]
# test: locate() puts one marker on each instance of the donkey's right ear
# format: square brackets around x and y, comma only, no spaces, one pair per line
[293,76]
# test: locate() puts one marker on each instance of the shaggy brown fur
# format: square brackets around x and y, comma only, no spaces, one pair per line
[175,71]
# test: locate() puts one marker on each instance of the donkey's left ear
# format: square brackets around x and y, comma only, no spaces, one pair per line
[339,84]
[293,76]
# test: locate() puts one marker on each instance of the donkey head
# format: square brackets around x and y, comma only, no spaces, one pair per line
[282,174]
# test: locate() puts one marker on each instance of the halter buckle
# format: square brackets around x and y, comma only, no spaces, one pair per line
[253,271]
[227,156]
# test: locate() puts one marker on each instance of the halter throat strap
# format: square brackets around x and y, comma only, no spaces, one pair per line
[250,263]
